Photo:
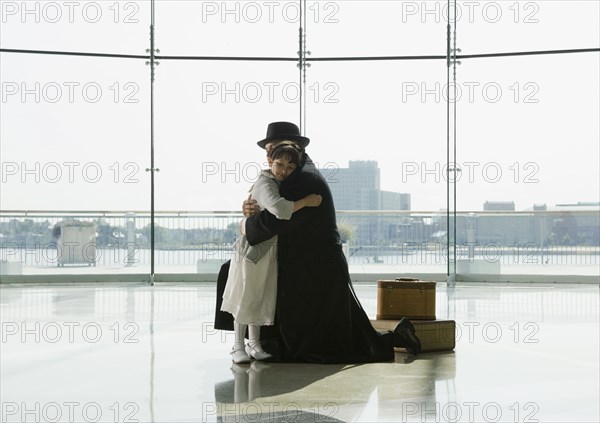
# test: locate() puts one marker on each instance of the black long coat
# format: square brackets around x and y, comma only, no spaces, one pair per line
[318,317]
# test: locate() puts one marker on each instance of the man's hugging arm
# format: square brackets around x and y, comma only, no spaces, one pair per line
[264,225]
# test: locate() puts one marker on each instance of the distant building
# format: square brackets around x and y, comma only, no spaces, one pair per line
[499,206]
[562,224]
[357,187]
[394,201]
[577,223]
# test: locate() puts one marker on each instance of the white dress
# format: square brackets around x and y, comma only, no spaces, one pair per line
[251,291]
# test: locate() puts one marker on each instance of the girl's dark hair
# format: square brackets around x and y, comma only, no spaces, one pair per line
[289,150]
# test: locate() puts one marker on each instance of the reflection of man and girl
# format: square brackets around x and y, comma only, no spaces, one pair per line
[289,276]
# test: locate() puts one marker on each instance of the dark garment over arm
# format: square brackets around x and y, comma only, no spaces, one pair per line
[223,320]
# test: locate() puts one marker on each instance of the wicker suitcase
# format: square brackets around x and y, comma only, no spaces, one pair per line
[435,335]
[405,297]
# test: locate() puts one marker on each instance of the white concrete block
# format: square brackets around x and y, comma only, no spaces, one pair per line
[11,268]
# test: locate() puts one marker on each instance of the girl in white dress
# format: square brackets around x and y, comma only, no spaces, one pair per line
[251,291]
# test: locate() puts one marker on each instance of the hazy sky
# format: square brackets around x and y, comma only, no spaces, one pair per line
[75,131]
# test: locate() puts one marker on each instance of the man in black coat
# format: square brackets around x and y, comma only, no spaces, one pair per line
[318,317]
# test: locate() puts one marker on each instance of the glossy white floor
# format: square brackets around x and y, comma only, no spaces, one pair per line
[132,353]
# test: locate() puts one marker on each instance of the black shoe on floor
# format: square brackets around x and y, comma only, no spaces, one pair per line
[404,337]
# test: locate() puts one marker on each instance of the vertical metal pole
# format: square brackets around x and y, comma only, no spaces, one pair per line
[152,64]
[300,66]
[152,170]
[452,167]
[152,356]
[454,163]
[304,66]
[448,64]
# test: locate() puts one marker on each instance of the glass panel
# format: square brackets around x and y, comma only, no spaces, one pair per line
[209,117]
[376,139]
[118,27]
[506,26]
[528,146]
[74,148]
[228,28]
[376,28]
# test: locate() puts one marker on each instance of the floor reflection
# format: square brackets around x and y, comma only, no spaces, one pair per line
[259,380]
[336,391]
[160,356]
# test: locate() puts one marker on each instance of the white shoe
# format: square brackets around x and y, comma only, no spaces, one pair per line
[239,356]
[257,354]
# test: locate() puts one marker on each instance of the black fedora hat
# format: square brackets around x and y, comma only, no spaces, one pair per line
[277,131]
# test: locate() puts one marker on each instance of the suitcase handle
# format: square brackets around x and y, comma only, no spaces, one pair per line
[407,280]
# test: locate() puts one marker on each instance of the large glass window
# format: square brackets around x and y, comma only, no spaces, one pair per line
[510,26]
[210,115]
[375,28]
[378,131]
[113,27]
[527,135]
[74,148]
[76,131]
[528,143]
[389,112]
[228,28]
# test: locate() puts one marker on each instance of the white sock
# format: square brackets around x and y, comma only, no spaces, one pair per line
[240,334]
[254,337]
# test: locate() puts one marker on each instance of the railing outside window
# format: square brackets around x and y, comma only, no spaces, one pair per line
[536,242]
